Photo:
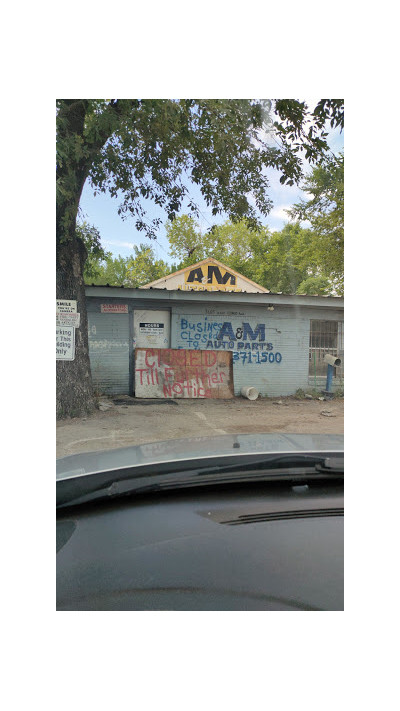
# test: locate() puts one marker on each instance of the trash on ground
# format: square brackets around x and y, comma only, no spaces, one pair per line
[105,405]
[249,392]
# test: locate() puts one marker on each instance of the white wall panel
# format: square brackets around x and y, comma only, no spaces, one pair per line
[151,328]
[270,348]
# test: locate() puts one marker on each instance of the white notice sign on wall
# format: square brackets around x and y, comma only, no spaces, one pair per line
[66,306]
[65,343]
[68,320]
[151,329]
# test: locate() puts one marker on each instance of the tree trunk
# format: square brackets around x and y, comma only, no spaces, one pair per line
[74,381]
[75,395]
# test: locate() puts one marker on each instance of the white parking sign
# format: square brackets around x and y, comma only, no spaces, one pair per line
[65,348]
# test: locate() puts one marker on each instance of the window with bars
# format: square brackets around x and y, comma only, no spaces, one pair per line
[325,337]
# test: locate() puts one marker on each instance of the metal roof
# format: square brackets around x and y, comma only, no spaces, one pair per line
[164,294]
[205,291]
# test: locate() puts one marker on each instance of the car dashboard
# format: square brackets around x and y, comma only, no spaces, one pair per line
[249,547]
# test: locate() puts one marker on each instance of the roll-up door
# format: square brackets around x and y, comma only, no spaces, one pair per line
[109,352]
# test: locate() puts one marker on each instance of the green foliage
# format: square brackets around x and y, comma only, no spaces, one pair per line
[90,236]
[142,150]
[112,271]
[229,242]
[233,243]
[285,261]
[318,285]
[133,271]
[325,212]
[144,267]
[301,130]
[186,243]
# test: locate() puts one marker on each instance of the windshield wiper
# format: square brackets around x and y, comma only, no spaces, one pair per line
[288,467]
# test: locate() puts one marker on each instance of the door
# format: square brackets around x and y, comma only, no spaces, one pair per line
[151,329]
[109,352]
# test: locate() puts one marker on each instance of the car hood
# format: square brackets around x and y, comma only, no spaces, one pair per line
[195,448]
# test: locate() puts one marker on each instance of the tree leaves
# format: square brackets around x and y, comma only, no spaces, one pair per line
[138,269]
[325,212]
[142,149]
[288,261]
[90,237]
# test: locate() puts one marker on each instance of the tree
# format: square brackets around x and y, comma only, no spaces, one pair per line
[145,267]
[318,285]
[229,242]
[232,243]
[186,242]
[136,270]
[96,255]
[325,212]
[284,261]
[112,271]
[148,150]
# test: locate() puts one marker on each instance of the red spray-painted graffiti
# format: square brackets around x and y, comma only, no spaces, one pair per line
[164,372]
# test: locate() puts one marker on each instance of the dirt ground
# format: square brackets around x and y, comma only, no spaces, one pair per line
[125,421]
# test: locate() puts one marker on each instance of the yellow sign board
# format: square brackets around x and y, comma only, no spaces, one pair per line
[209,277]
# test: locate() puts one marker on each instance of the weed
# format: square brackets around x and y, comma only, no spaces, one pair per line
[315,393]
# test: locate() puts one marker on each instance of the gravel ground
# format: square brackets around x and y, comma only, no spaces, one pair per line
[136,421]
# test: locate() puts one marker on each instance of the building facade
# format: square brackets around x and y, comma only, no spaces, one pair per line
[277,341]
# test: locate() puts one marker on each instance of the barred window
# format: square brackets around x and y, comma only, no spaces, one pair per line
[325,337]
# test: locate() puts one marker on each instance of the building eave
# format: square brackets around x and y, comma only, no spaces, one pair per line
[222,297]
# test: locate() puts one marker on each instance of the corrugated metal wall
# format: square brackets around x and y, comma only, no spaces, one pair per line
[109,352]
[270,348]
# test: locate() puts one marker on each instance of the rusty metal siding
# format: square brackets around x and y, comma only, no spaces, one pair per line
[270,348]
[109,352]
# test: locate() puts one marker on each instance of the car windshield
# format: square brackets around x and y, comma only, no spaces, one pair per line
[200,354]
[221,314]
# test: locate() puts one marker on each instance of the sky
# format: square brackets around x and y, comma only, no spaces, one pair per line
[119,236]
